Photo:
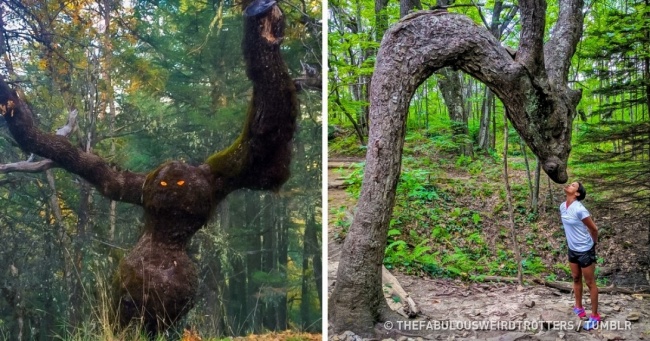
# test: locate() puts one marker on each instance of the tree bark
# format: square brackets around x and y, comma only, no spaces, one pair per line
[537,99]
[451,88]
[484,125]
[535,202]
[406,6]
[449,83]
[522,147]
[253,251]
[511,211]
[283,260]
[269,259]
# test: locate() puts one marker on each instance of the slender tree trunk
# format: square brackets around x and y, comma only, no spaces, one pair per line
[269,259]
[406,6]
[511,211]
[237,283]
[484,125]
[283,260]
[311,253]
[80,241]
[538,169]
[315,251]
[451,88]
[357,127]
[493,137]
[522,146]
[110,100]
[253,251]
[381,19]
[304,289]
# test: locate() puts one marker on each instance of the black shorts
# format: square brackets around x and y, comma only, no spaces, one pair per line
[585,258]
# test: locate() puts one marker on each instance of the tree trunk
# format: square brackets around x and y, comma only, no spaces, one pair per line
[451,88]
[253,252]
[381,18]
[538,168]
[76,294]
[449,83]
[406,6]
[511,211]
[110,99]
[269,258]
[536,97]
[522,147]
[316,254]
[484,127]
[304,288]
[238,308]
[311,253]
[283,260]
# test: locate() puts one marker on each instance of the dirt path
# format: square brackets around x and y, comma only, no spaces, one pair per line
[498,311]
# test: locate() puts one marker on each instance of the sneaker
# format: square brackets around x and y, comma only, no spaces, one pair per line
[592,323]
[580,312]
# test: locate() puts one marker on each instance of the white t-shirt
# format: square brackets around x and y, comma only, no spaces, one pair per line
[577,233]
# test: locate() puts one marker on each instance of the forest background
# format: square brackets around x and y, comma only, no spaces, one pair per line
[451,217]
[152,81]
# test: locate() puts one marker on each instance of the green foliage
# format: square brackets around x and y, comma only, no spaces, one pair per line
[563,267]
[413,183]
[341,221]
[533,265]
[354,179]
[346,146]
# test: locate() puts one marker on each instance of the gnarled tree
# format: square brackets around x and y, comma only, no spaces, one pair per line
[532,86]
[157,281]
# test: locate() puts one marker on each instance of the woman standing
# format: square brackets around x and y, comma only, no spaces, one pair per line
[582,236]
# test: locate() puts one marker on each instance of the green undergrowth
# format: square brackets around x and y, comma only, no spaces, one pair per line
[450,218]
[347,146]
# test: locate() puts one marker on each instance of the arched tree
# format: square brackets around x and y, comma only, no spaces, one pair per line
[157,281]
[532,85]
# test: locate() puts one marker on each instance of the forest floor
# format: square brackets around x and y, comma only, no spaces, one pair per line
[278,336]
[515,312]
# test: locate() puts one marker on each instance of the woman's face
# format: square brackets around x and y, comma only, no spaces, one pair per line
[572,189]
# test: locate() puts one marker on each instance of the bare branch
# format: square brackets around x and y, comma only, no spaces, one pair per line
[308,83]
[27,166]
[70,125]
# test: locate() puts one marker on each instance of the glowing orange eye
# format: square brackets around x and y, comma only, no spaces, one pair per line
[180,182]
[162,183]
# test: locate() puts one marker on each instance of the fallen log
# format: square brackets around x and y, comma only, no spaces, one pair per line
[495,279]
[612,289]
[404,305]
[568,287]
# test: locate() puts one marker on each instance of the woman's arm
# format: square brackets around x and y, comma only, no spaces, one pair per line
[593,230]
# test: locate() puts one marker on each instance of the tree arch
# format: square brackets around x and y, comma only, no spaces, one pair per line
[532,85]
